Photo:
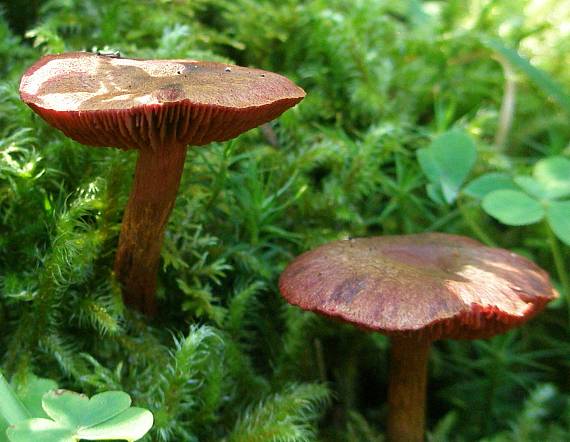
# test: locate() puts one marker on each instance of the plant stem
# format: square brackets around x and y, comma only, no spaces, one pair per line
[407,390]
[445,219]
[11,408]
[507,105]
[560,267]
[157,178]
[475,228]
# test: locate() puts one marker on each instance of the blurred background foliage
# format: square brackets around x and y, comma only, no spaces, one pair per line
[227,359]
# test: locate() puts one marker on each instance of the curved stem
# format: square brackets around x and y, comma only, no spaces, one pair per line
[407,389]
[11,408]
[157,178]
[507,111]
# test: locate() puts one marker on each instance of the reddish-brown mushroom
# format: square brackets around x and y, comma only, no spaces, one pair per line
[157,107]
[416,289]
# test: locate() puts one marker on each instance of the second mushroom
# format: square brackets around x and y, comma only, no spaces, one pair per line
[157,107]
[417,289]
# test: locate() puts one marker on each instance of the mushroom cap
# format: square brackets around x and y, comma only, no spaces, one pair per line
[434,285]
[100,100]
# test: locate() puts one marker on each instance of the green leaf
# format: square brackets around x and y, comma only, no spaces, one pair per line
[131,424]
[448,160]
[105,406]
[512,207]
[428,164]
[484,184]
[3,428]
[558,216]
[65,407]
[434,192]
[78,410]
[539,77]
[106,415]
[554,175]
[39,429]
[32,393]
[531,186]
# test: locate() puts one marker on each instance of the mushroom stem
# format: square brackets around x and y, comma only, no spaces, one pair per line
[407,389]
[156,182]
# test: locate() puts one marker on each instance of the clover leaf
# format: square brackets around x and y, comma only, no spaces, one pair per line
[558,216]
[554,175]
[513,207]
[536,198]
[32,392]
[74,417]
[447,162]
[487,183]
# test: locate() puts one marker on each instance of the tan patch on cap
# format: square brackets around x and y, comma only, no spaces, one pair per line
[127,103]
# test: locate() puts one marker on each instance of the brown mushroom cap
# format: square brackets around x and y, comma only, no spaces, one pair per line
[138,104]
[433,284]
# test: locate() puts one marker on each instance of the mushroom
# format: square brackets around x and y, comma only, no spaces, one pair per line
[158,107]
[417,289]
